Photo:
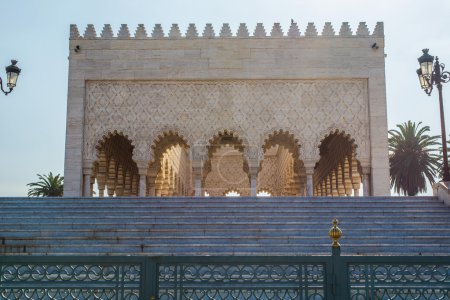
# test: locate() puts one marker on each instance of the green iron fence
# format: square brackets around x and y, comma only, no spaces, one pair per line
[167,278]
[71,277]
[227,278]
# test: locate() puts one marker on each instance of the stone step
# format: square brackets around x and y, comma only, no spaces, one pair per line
[419,226]
[217,225]
[235,209]
[211,219]
[211,240]
[215,201]
[249,232]
[220,202]
[148,207]
[225,249]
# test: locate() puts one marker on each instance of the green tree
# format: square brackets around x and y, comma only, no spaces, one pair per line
[412,158]
[47,186]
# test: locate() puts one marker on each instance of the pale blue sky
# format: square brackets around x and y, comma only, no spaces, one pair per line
[32,118]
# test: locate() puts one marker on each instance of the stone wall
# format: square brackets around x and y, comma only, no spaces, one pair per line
[304,83]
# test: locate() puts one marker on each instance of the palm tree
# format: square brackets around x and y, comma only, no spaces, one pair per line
[412,158]
[47,186]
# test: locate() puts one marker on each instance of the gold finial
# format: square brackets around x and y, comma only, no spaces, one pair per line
[335,234]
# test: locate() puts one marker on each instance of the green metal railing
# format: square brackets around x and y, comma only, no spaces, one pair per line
[71,277]
[327,277]
[232,277]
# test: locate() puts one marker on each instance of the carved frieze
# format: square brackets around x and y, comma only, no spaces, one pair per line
[197,110]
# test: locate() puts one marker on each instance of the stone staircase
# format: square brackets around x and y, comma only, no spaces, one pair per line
[223,226]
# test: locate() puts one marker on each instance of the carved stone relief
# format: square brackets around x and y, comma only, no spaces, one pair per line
[198,110]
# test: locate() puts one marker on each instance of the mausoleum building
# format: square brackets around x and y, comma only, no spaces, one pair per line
[285,112]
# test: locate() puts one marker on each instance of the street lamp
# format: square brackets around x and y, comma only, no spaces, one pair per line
[431,74]
[12,73]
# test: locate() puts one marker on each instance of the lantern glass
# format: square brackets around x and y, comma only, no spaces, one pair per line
[423,81]
[12,79]
[427,68]
[426,63]
[12,73]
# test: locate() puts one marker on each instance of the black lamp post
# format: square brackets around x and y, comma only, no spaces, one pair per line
[431,74]
[12,73]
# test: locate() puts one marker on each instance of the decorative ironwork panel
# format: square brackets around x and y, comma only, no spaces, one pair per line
[70,281]
[241,281]
[399,281]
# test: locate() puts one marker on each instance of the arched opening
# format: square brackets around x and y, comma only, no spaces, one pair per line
[114,169]
[338,172]
[226,168]
[232,193]
[281,170]
[169,174]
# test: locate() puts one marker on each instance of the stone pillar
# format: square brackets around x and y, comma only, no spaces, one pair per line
[366,181]
[87,173]
[309,165]
[198,185]
[356,177]
[197,172]
[309,181]
[323,190]
[340,181]
[87,185]
[151,181]
[328,185]
[142,169]
[334,187]
[253,181]
[142,183]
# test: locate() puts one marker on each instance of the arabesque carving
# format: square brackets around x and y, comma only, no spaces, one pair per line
[307,108]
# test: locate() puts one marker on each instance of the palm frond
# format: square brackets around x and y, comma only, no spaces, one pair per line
[47,186]
[412,157]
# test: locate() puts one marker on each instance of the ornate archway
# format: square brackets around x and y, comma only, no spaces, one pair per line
[169,173]
[226,167]
[338,172]
[114,168]
[281,170]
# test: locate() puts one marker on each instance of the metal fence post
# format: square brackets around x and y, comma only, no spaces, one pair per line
[149,280]
[339,269]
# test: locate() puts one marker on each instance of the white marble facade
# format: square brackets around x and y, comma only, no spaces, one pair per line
[199,84]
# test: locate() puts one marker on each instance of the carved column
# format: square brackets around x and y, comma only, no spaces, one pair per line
[151,181]
[171,186]
[142,169]
[197,171]
[340,181]
[334,188]
[253,155]
[102,173]
[309,181]
[328,185]
[120,181]
[135,185]
[87,183]
[366,181]
[253,181]
[127,186]
[165,179]
[112,177]
[323,190]
[347,178]
[356,177]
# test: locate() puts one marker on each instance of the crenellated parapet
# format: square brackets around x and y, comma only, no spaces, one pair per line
[243,31]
